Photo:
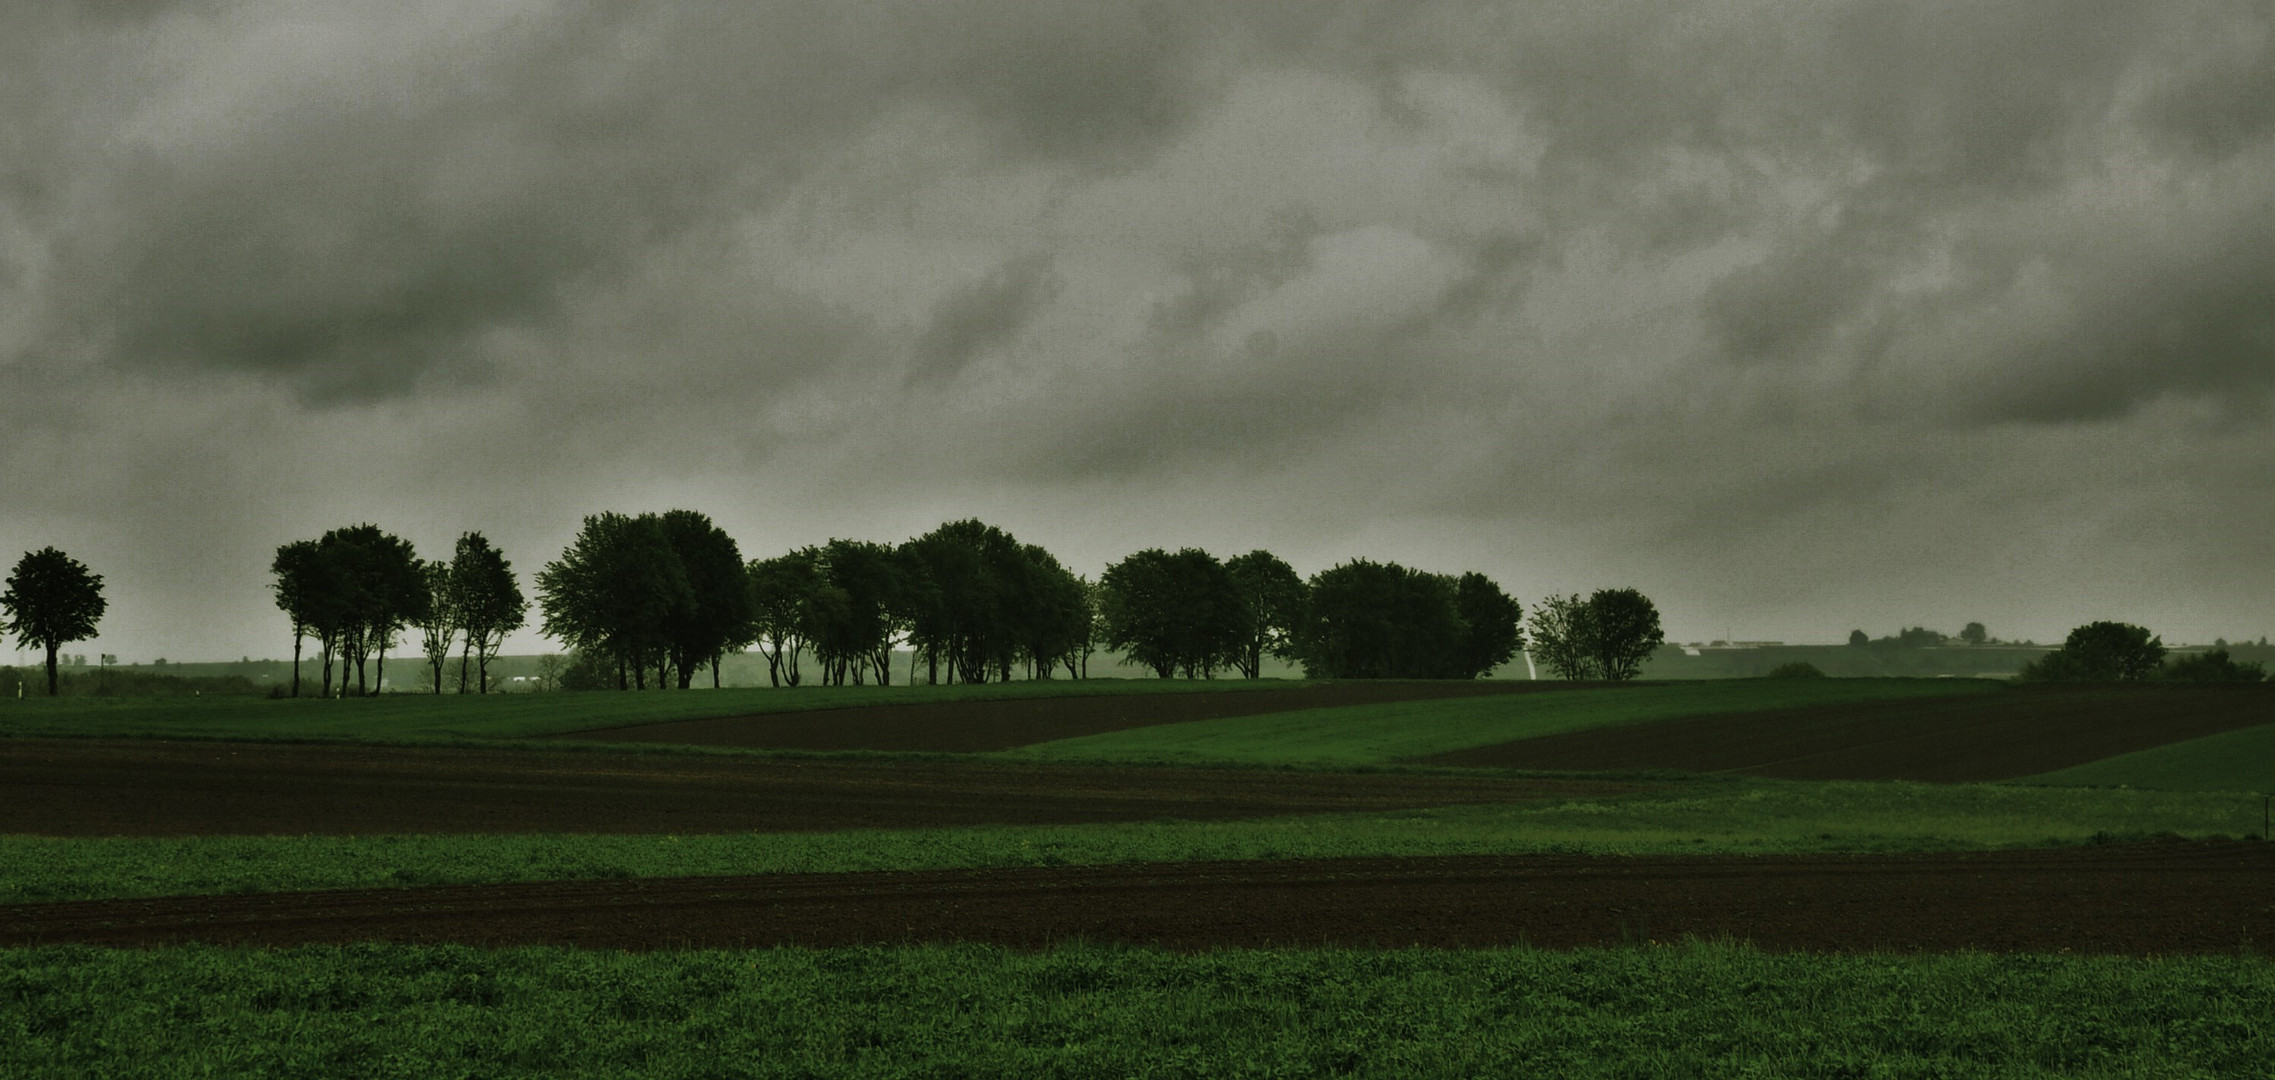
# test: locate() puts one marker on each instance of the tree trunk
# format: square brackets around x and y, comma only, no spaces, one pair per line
[714,673]
[462,654]
[296,636]
[51,647]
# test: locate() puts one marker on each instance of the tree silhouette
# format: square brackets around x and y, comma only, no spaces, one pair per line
[1174,613]
[1492,632]
[52,598]
[612,593]
[488,604]
[1370,620]
[1272,598]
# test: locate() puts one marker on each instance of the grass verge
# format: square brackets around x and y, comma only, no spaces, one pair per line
[1688,1010]
[1372,734]
[1738,816]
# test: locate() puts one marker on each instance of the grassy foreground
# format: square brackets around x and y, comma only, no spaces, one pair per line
[1683,817]
[1373,734]
[1690,1010]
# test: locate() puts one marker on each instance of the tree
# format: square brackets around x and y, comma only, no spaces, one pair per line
[488,601]
[52,598]
[781,591]
[1606,636]
[440,626]
[1974,634]
[2211,666]
[2099,652]
[299,588]
[1173,613]
[1370,620]
[612,593]
[383,591]
[716,610]
[1562,637]
[1626,632]
[1920,637]
[1272,598]
[549,672]
[1051,615]
[1492,632]
[1858,639]
[966,599]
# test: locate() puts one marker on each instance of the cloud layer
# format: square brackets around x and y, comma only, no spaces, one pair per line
[1798,316]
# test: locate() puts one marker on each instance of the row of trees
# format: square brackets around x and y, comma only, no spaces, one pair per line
[1920,637]
[357,590]
[655,598]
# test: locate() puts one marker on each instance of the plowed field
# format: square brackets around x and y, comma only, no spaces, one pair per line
[970,727]
[92,787]
[2021,731]
[2144,898]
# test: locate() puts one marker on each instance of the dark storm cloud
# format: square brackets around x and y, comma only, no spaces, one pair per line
[985,314]
[356,221]
[1753,285]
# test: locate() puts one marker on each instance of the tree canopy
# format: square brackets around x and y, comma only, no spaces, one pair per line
[2100,652]
[52,598]
[1174,613]
[1606,636]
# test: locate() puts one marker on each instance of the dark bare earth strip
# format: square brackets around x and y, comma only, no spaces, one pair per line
[2162,898]
[2019,731]
[96,787]
[971,727]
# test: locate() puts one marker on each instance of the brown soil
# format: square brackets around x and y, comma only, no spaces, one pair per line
[2162,898]
[970,727]
[2020,731]
[93,787]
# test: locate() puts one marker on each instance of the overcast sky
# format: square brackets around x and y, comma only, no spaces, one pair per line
[1798,316]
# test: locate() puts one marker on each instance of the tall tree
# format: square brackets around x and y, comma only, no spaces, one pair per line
[1626,631]
[298,587]
[716,611]
[384,592]
[1491,631]
[1053,616]
[52,598]
[612,592]
[1174,613]
[1370,620]
[2099,652]
[1272,598]
[782,591]
[964,606]
[488,601]
[440,625]
[1562,637]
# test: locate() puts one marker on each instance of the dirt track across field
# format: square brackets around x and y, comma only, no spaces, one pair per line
[971,727]
[95,787]
[2018,731]
[2163,898]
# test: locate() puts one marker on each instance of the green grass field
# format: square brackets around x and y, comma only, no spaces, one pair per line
[1374,734]
[963,1011]
[1651,1009]
[415,718]
[1681,817]
[2230,761]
